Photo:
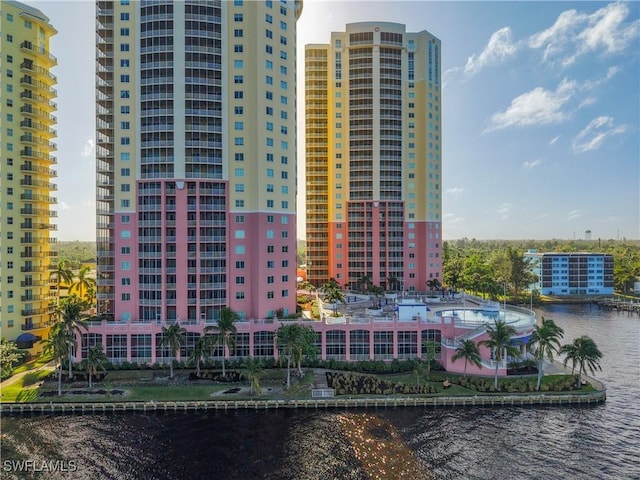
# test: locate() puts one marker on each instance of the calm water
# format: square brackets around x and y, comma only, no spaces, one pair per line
[594,442]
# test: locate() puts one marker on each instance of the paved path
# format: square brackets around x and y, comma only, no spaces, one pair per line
[320,378]
[14,378]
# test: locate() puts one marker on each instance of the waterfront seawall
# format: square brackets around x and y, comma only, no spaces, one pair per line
[523,400]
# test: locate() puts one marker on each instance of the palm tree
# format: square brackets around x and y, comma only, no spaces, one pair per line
[96,360]
[199,352]
[69,313]
[58,345]
[471,354]
[392,282]
[500,342]
[545,339]
[253,372]
[83,283]
[333,294]
[174,337]
[433,284]
[585,353]
[62,274]
[293,341]
[225,333]
[431,348]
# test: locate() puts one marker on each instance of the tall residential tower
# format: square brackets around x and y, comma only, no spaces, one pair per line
[196,159]
[26,175]
[374,157]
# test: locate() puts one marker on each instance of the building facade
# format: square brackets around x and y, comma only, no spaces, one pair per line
[575,273]
[26,173]
[374,157]
[196,159]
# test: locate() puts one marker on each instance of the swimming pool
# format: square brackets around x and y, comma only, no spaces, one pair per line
[516,317]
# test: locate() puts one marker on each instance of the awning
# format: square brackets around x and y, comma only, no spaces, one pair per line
[26,337]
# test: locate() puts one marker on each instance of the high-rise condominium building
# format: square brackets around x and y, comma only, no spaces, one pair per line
[196,159]
[26,175]
[374,157]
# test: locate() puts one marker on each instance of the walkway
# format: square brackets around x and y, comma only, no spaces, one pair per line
[18,376]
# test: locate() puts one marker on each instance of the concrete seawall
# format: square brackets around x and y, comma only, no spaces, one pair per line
[523,400]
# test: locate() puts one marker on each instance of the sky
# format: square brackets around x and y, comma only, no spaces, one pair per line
[541,112]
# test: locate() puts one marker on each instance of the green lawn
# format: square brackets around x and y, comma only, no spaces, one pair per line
[33,364]
[25,389]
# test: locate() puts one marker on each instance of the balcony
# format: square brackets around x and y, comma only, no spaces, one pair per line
[42,53]
[35,326]
[36,312]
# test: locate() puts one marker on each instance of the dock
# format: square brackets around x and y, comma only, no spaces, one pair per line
[619,305]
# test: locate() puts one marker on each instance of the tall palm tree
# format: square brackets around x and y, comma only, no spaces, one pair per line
[69,313]
[62,274]
[252,372]
[82,285]
[225,333]
[199,352]
[500,342]
[58,345]
[585,353]
[545,340]
[431,348]
[293,341]
[96,360]
[471,354]
[173,336]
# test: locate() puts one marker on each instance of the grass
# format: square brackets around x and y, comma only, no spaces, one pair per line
[33,364]
[150,385]
[24,389]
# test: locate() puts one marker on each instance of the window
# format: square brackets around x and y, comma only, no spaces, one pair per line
[239,218]
[125,141]
[238,79]
[124,32]
[125,250]
[125,125]
[125,265]
[125,94]
[125,203]
[238,94]
[125,187]
[124,78]
[239,157]
[237,17]
[238,63]
[124,16]
[125,172]
[239,141]
[238,48]
[238,110]
[124,62]
[238,33]
[125,109]
[124,47]
[126,281]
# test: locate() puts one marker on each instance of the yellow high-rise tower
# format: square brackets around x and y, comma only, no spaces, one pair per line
[26,174]
[373,158]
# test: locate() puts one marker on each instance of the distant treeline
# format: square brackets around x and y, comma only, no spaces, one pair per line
[75,252]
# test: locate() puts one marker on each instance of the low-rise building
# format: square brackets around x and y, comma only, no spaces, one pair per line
[574,273]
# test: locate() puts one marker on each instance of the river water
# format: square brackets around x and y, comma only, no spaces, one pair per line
[581,442]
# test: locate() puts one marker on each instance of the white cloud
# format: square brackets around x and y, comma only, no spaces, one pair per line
[61,206]
[88,148]
[455,191]
[554,140]
[452,219]
[497,49]
[529,165]
[575,34]
[504,210]
[536,107]
[573,214]
[593,135]
[541,216]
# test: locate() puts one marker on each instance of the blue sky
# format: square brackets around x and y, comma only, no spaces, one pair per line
[541,112]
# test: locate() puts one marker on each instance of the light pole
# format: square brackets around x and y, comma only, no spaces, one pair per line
[504,301]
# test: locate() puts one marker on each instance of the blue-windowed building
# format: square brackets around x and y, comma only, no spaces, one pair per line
[575,273]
